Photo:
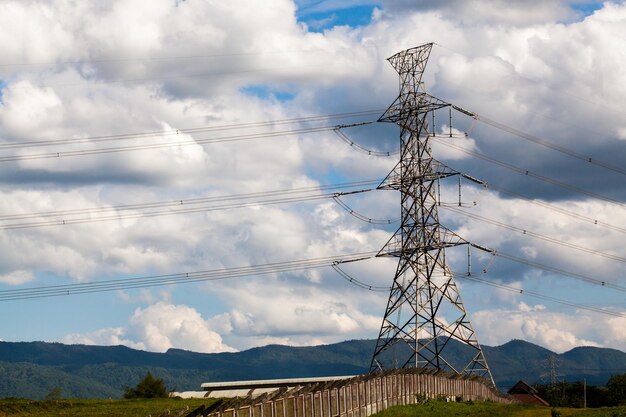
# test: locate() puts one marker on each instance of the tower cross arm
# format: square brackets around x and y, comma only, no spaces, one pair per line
[411,104]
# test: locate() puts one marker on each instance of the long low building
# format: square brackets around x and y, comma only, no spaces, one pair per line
[231,389]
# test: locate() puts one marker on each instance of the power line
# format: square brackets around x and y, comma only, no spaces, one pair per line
[192,130]
[197,141]
[548,144]
[522,291]
[159,58]
[527,172]
[205,74]
[233,138]
[537,235]
[559,271]
[356,282]
[360,148]
[177,278]
[359,215]
[540,296]
[236,272]
[177,203]
[173,207]
[555,208]
[153,204]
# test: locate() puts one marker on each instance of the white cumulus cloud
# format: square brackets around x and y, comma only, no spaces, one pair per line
[159,327]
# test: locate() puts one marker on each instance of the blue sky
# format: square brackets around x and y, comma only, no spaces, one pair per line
[587,7]
[319,18]
[266,92]
[541,70]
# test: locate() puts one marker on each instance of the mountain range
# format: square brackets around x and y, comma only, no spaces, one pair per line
[33,369]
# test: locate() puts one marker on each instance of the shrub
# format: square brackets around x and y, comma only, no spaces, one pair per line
[148,387]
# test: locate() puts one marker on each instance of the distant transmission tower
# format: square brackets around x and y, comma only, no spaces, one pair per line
[553,363]
[424,312]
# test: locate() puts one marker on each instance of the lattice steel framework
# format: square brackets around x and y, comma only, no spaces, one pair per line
[424,311]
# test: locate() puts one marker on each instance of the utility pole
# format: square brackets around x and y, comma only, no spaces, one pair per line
[424,311]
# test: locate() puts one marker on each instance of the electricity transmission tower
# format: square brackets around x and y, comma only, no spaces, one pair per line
[424,312]
[551,364]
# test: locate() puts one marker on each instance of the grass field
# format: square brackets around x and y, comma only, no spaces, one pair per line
[484,409]
[97,408]
[156,407]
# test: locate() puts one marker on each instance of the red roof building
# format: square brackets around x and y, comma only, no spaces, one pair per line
[526,394]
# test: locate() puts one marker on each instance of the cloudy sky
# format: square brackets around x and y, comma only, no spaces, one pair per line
[113,111]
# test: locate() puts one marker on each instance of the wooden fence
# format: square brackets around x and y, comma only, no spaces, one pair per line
[357,397]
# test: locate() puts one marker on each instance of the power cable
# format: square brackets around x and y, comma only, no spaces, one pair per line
[559,271]
[360,148]
[540,296]
[356,282]
[233,138]
[231,206]
[178,278]
[555,208]
[358,215]
[537,235]
[173,207]
[160,58]
[540,141]
[193,130]
[527,172]
[235,272]
[205,74]
[472,277]
[93,210]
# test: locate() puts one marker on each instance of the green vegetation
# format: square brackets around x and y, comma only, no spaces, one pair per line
[148,387]
[157,406]
[486,409]
[572,394]
[11,407]
[616,389]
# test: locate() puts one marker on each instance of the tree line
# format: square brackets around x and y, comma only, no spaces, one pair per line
[578,394]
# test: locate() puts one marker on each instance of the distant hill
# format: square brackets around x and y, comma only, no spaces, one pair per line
[517,360]
[32,369]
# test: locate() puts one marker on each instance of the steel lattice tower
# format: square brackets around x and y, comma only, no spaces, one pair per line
[424,311]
